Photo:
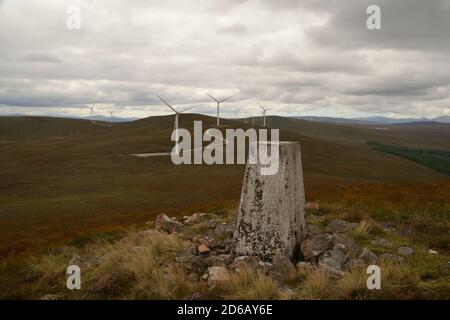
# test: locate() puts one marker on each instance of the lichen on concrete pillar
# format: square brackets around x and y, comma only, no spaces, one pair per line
[271,218]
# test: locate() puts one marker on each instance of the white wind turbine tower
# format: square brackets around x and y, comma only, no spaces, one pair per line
[110,115]
[264,112]
[91,107]
[218,106]
[177,113]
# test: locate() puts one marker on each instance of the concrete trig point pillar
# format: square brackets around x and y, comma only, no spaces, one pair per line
[271,218]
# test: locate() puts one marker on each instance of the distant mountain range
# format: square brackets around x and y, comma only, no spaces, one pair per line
[361,120]
[375,120]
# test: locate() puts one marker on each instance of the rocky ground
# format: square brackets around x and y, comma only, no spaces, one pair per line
[192,257]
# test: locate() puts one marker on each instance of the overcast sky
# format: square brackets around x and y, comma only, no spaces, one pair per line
[297,57]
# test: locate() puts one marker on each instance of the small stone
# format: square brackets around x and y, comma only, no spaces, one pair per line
[203,249]
[405,251]
[338,226]
[333,259]
[314,246]
[50,297]
[164,223]
[195,218]
[217,276]
[431,251]
[392,257]
[381,242]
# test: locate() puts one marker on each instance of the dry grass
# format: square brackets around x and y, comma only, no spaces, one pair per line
[316,285]
[250,285]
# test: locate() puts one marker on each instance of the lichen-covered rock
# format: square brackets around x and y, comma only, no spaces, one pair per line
[164,223]
[333,259]
[314,230]
[217,276]
[314,246]
[271,216]
[338,226]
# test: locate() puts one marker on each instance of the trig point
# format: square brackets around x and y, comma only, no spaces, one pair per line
[271,218]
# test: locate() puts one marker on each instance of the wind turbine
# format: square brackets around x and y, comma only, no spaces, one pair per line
[218,106]
[91,107]
[177,113]
[110,115]
[264,112]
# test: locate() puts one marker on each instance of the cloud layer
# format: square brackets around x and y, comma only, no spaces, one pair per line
[298,57]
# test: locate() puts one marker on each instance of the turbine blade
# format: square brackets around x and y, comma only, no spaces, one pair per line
[223,100]
[189,108]
[212,97]
[164,101]
[261,106]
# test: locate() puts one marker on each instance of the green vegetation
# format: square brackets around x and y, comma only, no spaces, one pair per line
[438,160]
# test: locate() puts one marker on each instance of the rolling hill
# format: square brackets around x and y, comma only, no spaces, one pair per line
[63,177]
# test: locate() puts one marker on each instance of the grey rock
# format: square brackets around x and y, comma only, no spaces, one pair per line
[271,218]
[392,257]
[405,251]
[314,246]
[221,260]
[347,245]
[164,223]
[281,268]
[381,242]
[354,263]
[225,230]
[50,297]
[194,219]
[305,266]
[338,226]
[314,230]
[333,259]
[369,257]
[245,261]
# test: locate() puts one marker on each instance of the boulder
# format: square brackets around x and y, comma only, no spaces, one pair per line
[217,276]
[338,226]
[225,230]
[164,223]
[332,259]
[281,267]
[314,246]
[347,245]
[314,230]
[221,260]
[369,257]
[405,251]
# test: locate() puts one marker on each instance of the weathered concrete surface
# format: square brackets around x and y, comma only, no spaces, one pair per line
[271,218]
